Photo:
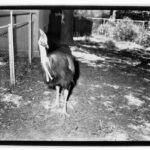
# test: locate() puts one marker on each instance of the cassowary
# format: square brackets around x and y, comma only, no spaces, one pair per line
[59,69]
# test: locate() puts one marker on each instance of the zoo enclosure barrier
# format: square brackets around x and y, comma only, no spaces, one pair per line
[9,29]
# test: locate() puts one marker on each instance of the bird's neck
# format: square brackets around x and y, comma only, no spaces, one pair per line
[43,53]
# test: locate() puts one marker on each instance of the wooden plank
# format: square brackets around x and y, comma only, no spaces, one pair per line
[30,39]
[20,24]
[4,13]
[5,26]
[11,50]
[17,25]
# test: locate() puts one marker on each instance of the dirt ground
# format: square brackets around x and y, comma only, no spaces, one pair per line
[111,101]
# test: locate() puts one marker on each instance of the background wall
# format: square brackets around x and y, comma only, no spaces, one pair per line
[44,19]
[3,38]
[21,34]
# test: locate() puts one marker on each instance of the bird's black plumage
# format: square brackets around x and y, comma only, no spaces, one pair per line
[61,69]
[58,67]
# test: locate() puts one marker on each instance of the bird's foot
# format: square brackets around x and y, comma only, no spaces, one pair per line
[64,113]
[55,105]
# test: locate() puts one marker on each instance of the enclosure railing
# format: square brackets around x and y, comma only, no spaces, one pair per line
[10,27]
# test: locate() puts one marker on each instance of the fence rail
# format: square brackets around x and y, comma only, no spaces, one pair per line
[145,24]
[109,19]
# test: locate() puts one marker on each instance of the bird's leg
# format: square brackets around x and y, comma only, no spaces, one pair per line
[64,110]
[56,103]
[47,78]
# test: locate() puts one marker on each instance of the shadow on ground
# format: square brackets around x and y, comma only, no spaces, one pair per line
[109,103]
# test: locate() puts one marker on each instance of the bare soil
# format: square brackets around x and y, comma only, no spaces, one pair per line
[110,102]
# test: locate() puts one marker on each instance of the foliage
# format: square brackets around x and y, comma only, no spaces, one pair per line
[145,40]
[110,45]
[125,30]
[120,14]
[134,14]
[93,13]
[106,29]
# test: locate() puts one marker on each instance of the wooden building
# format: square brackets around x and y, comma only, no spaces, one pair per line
[40,19]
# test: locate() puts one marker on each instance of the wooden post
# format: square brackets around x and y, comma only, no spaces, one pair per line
[11,50]
[30,38]
[142,31]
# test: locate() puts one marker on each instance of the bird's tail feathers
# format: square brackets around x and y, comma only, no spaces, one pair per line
[71,64]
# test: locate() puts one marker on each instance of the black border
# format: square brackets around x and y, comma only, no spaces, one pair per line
[76,143]
[92,7]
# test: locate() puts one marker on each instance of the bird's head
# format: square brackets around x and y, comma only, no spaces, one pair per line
[43,39]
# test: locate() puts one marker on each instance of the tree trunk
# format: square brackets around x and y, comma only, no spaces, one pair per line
[67,27]
[114,14]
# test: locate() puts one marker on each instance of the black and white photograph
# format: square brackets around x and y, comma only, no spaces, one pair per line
[74,73]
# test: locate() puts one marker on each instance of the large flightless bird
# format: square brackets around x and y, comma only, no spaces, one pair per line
[59,70]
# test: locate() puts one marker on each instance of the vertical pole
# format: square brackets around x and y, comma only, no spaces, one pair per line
[30,38]
[11,50]
[142,31]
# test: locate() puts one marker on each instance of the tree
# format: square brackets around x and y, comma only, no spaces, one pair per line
[93,13]
[60,28]
[66,27]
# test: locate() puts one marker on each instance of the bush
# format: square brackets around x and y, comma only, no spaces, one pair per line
[106,29]
[143,37]
[125,30]
[145,40]
[110,45]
